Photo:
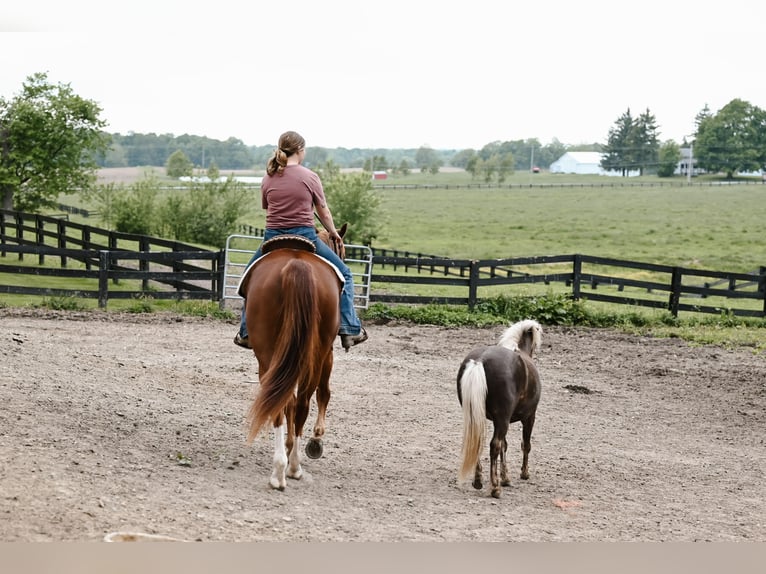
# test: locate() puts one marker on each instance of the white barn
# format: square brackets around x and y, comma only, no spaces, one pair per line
[582,163]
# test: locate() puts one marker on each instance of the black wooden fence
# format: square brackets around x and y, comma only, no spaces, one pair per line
[172,270]
[118,265]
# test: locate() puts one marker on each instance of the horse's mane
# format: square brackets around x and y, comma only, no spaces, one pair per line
[512,335]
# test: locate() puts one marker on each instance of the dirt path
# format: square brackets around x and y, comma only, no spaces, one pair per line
[136,423]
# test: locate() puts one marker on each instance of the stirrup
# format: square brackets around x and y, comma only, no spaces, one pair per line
[348,341]
[243,342]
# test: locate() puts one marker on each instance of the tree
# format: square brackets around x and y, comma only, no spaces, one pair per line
[213,173]
[732,140]
[352,200]
[425,157]
[617,149]
[49,141]
[645,141]
[669,156]
[179,165]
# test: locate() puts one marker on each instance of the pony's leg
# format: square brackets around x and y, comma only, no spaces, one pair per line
[526,444]
[280,458]
[504,481]
[477,477]
[495,450]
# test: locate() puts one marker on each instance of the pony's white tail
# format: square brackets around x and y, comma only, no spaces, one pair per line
[473,391]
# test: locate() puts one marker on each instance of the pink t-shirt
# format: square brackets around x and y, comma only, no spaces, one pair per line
[289,198]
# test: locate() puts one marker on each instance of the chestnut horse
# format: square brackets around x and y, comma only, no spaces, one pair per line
[500,383]
[292,310]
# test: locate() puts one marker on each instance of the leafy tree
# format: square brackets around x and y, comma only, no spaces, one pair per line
[404,167]
[179,165]
[425,157]
[732,140]
[49,140]
[207,213]
[461,158]
[213,173]
[136,211]
[376,163]
[669,156]
[354,201]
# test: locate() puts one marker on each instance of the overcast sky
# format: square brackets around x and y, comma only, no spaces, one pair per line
[393,73]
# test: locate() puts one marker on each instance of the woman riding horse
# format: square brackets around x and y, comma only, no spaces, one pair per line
[290,193]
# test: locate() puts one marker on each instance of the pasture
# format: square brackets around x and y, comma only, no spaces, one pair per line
[136,423]
[705,227]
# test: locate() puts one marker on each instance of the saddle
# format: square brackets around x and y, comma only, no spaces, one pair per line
[288,242]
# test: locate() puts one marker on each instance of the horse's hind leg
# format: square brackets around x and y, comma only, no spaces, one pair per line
[496,446]
[280,458]
[298,418]
[314,446]
[526,444]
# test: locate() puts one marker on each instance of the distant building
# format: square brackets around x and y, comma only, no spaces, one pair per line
[584,163]
[683,164]
[379,175]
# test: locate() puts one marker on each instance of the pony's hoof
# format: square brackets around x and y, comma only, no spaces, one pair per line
[496,492]
[477,484]
[314,448]
[524,476]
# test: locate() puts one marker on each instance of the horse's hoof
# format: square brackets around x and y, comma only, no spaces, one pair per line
[524,476]
[314,448]
[496,492]
[477,484]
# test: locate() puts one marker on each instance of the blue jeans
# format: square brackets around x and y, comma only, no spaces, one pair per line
[349,322]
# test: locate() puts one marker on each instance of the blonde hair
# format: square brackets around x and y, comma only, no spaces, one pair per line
[289,143]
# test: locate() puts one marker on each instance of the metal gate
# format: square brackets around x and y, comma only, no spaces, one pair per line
[240,248]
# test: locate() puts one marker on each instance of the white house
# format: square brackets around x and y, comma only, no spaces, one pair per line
[582,163]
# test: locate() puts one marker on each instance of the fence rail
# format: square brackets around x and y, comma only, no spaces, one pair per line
[166,269]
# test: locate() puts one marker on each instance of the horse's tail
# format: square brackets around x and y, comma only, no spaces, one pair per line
[293,363]
[473,391]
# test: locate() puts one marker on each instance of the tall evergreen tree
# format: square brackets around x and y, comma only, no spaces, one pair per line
[617,151]
[645,141]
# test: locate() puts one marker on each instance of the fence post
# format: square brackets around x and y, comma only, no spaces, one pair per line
[40,238]
[762,287]
[86,245]
[19,232]
[103,278]
[61,232]
[675,291]
[219,271]
[473,284]
[576,276]
[143,264]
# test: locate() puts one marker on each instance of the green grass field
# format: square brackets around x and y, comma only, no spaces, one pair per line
[707,227]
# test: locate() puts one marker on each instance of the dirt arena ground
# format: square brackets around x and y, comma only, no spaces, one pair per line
[136,423]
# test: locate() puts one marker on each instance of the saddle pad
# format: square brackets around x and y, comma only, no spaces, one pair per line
[254,263]
[288,242]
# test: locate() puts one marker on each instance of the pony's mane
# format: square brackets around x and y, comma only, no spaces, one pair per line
[512,335]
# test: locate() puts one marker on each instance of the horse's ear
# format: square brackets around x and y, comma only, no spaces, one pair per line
[342,230]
